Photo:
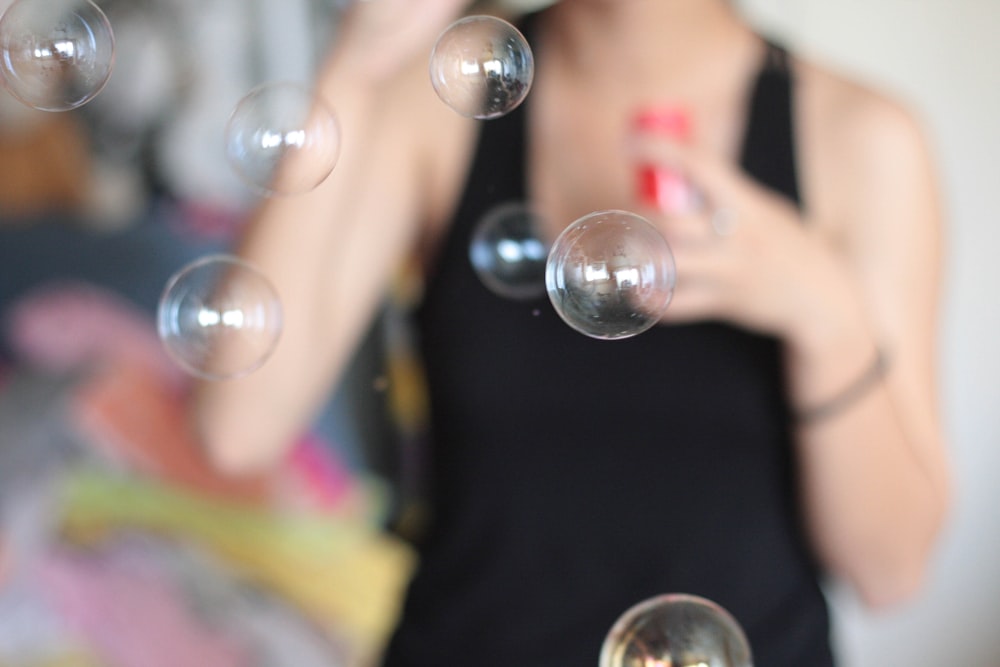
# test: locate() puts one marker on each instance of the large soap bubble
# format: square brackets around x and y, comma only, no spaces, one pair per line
[482,67]
[55,55]
[676,630]
[610,274]
[282,139]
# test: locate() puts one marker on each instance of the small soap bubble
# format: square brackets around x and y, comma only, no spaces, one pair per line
[55,55]
[219,317]
[508,251]
[482,67]
[282,139]
[610,274]
[676,630]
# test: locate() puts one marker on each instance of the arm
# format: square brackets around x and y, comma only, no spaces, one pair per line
[860,272]
[331,252]
[876,475]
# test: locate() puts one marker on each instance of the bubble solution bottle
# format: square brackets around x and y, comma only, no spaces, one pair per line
[660,187]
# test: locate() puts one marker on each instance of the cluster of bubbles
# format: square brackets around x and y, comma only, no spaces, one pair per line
[676,630]
[218,317]
[608,275]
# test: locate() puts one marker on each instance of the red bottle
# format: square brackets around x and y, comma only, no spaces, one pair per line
[660,187]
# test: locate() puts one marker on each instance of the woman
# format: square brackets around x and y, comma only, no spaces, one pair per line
[780,424]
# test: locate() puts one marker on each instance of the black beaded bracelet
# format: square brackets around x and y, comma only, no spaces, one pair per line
[850,395]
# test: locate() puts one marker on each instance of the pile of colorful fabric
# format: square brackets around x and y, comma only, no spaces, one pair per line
[121,547]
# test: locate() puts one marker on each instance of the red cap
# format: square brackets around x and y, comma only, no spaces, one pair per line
[672,121]
[659,187]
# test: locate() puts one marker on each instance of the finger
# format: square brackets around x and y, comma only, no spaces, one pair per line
[690,303]
[697,228]
[684,229]
[700,268]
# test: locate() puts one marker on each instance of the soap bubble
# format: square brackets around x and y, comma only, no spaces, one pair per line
[482,67]
[508,251]
[282,139]
[219,317]
[676,630]
[55,55]
[610,274]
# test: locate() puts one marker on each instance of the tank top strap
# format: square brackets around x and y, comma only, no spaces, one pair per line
[776,58]
[769,147]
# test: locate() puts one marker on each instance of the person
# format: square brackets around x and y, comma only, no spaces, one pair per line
[778,427]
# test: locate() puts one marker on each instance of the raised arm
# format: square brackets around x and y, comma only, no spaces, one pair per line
[331,252]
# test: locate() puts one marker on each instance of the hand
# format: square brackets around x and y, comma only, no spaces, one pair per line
[744,255]
[377,38]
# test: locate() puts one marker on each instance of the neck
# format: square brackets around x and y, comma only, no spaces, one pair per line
[629,37]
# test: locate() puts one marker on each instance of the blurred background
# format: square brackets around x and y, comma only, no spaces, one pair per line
[108,514]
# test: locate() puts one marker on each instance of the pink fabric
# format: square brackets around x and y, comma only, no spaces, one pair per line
[203,221]
[133,618]
[133,408]
[61,327]
[322,475]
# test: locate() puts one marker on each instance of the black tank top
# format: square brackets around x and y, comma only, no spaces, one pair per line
[571,478]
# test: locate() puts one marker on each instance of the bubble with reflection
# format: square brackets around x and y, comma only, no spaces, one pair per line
[508,251]
[482,67]
[55,55]
[219,317]
[676,630]
[610,274]
[282,139]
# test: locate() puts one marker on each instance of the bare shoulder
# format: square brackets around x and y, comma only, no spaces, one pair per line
[861,150]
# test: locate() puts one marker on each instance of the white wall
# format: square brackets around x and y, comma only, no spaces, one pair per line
[942,57]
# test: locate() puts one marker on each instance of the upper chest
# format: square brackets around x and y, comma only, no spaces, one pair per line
[577,135]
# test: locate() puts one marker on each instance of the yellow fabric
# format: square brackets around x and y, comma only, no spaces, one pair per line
[345,573]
